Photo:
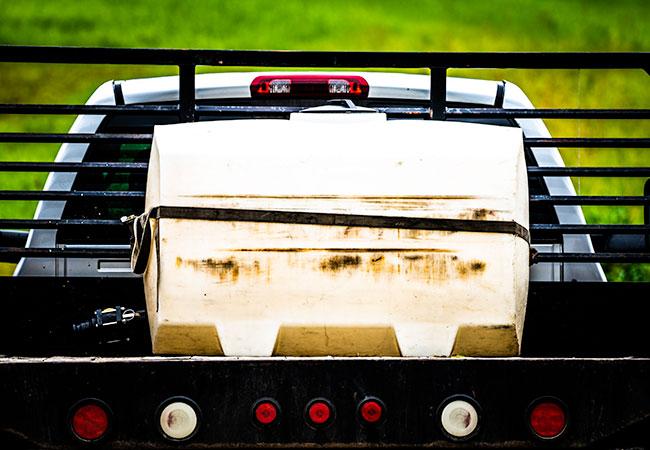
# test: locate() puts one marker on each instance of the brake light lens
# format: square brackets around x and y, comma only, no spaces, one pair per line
[310,86]
[266,412]
[547,419]
[90,421]
[371,411]
[319,413]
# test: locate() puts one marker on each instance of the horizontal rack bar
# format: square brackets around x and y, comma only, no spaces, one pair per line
[544,228]
[67,195]
[226,110]
[207,110]
[56,223]
[410,111]
[203,110]
[605,200]
[591,257]
[534,228]
[588,142]
[126,137]
[27,166]
[281,111]
[496,60]
[555,113]
[67,253]
[75,137]
[554,199]
[125,253]
[590,171]
[10,108]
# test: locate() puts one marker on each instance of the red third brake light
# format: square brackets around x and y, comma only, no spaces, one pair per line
[547,420]
[310,86]
[89,422]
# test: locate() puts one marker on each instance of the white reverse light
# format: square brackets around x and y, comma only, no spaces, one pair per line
[178,420]
[459,418]
[339,87]
[280,87]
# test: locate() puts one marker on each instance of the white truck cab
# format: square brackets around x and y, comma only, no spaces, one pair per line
[375,91]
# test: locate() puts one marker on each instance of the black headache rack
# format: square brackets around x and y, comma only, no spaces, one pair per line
[188,109]
[584,343]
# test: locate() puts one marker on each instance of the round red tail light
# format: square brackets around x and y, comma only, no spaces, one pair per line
[90,420]
[319,413]
[266,412]
[371,411]
[547,418]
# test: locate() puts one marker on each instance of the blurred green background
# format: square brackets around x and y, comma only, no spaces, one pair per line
[496,25]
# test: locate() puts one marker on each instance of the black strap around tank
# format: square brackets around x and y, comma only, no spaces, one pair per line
[346,220]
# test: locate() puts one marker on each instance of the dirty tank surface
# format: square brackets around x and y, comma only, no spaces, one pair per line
[261,288]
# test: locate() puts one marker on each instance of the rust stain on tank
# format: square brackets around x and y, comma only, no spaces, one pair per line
[482,214]
[225,270]
[339,262]
[478,214]
[478,266]
[467,268]
[440,266]
[349,232]
[431,265]
[375,263]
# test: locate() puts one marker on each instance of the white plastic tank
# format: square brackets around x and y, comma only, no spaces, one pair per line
[337,234]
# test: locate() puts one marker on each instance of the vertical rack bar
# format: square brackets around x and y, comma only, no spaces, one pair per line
[646,212]
[186,92]
[438,93]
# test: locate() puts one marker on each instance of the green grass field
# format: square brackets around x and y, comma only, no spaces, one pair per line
[527,25]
